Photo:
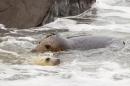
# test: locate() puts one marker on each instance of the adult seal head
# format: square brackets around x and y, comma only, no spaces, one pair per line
[52,43]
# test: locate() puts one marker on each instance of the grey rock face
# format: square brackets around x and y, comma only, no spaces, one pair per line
[32,13]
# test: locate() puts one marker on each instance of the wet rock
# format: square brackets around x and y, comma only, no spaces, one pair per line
[23,13]
[32,13]
[63,8]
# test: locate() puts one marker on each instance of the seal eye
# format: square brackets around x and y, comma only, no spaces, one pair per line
[47,46]
[47,59]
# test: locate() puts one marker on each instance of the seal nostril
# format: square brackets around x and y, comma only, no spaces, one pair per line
[47,59]
[33,51]
[57,62]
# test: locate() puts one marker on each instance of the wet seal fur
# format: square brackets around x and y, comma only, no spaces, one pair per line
[55,42]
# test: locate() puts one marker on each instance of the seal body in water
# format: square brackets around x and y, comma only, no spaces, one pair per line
[57,43]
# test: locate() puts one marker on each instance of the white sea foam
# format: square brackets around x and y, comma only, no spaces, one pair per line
[9,52]
[27,38]
[107,73]
[2,27]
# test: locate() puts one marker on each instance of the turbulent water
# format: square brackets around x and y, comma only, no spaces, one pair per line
[108,66]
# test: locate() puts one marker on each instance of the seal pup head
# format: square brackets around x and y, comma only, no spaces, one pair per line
[52,43]
[46,60]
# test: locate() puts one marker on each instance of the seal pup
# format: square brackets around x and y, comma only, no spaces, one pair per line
[44,60]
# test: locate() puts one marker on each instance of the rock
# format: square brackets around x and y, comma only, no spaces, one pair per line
[32,13]
[23,13]
[63,8]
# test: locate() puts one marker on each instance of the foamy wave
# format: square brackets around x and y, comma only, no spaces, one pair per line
[2,27]
[108,1]
[9,52]
[27,38]
[107,73]
[104,6]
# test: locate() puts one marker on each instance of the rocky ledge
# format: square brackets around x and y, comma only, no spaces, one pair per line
[32,13]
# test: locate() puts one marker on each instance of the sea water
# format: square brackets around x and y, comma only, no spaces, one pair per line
[108,66]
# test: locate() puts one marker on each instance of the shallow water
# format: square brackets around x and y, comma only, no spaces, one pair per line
[108,66]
